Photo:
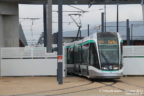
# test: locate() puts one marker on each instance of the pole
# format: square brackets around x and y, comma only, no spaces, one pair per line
[117,18]
[60,30]
[102,21]
[128,33]
[45,24]
[88,30]
[131,34]
[80,34]
[143,12]
[49,25]
[142,4]
[105,18]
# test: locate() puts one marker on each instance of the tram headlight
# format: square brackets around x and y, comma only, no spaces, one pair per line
[115,68]
[104,68]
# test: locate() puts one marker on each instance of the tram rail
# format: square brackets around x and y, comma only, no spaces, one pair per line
[86,87]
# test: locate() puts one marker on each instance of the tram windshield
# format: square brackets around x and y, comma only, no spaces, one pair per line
[108,50]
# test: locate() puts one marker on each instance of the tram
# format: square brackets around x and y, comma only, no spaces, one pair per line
[96,56]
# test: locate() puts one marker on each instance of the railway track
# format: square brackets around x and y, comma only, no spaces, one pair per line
[55,90]
[85,87]
[122,89]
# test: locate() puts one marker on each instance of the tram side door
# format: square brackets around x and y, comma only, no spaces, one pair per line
[85,59]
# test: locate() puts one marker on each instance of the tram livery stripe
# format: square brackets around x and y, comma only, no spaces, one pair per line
[133,56]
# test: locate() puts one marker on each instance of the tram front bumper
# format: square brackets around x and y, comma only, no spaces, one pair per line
[105,74]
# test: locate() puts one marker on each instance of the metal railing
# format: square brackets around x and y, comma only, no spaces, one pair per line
[25,53]
[133,51]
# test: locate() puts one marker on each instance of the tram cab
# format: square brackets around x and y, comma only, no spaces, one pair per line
[96,56]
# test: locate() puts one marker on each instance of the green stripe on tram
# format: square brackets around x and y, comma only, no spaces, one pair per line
[89,41]
[110,70]
[133,56]
[69,46]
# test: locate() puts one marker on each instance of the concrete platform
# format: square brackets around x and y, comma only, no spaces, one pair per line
[73,86]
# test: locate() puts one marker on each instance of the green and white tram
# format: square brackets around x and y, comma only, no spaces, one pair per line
[96,56]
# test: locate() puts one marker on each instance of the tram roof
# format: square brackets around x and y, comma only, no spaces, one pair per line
[77,2]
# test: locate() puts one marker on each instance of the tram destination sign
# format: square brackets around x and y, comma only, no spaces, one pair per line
[107,42]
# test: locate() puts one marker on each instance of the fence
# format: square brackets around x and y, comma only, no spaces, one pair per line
[25,52]
[36,61]
[28,61]
[133,60]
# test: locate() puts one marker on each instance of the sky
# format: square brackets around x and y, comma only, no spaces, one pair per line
[33,29]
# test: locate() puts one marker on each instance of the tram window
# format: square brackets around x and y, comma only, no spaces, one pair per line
[85,52]
[109,54]
[70,56]
[77,54]
[80,54]
[94,56]
[121,46]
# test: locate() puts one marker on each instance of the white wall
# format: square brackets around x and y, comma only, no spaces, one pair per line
[133,60]
[28,61]
[133,66]
[29,67]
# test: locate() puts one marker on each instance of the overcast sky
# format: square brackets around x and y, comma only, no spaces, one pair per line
[92,17]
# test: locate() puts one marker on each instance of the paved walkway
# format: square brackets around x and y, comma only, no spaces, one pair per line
[73,86]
